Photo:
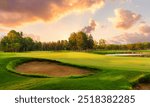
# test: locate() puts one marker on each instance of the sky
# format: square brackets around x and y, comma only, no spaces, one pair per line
[117,21]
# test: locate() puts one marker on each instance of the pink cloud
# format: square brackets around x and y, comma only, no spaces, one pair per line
[144,29]
[128,38]
[124,19]
[91,27]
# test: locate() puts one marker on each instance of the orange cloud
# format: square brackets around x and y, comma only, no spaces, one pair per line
[124,19]
[18,12]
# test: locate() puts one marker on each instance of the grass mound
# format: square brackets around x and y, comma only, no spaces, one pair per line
[143,83]
[145,79]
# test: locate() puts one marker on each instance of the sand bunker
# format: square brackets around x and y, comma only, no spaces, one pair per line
[142,86]
[50,69]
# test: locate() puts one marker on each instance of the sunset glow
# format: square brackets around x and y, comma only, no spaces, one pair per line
[52,20]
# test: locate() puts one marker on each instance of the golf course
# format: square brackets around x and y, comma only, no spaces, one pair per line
[74,45]
[79,71]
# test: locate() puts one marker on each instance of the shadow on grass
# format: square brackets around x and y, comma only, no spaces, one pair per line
[142,84]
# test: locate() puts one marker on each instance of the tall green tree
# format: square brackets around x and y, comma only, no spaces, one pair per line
[82,41]
[90,43]
[102,44]
[12,42]
[73,41]
[27,44]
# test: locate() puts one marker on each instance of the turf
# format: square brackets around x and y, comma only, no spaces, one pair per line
[111,72]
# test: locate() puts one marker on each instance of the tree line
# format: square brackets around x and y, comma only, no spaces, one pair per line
[16,42]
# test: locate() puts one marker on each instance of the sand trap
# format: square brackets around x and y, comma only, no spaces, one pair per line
[50,69]
[142,86]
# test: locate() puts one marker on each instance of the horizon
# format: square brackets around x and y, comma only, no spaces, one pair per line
[124,21]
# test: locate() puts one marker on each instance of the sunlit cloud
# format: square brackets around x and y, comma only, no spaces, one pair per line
[124,19]
[129,38]
[142,35]
[144,29]
[18,12]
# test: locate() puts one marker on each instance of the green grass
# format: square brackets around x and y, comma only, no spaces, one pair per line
[112,72]
[119,51]
[111,51]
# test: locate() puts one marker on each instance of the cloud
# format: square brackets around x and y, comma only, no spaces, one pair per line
[124,19]
[129,38]
[91,27]
[143,35]
[18,12]
[145,29]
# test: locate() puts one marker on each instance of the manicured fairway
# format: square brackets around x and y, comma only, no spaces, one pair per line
[112,72]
